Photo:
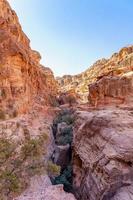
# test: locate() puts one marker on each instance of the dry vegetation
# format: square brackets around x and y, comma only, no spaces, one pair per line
[18,164]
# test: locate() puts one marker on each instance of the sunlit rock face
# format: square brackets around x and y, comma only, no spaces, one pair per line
[103,139]
[119,64]
[23,81]
[112,90]
[27,93]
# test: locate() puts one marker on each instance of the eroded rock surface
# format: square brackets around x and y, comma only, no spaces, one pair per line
[112,90]
[103,149]
[117,65]
[27,92]
[41,189]
[23,81]
[57,193]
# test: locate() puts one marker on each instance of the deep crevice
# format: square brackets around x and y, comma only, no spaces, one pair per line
[63,135]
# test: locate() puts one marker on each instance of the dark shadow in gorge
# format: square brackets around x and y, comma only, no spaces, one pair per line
[63,134]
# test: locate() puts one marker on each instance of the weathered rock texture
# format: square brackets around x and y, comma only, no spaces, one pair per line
[112,90]
[26,145]
[23,81]
[57,193]
[26,87]
[69,97]
[103,139]
[103,154]
[116,66]
[41,189]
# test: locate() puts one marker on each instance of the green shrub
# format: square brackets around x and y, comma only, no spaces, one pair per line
[67,130]
[68,119]
[53,169]
[63,140]
[36,169]
[6,149]
[65,137]
[64,116]
[65,178]
[33,148]
[28,162]
[10,182]
[16,163]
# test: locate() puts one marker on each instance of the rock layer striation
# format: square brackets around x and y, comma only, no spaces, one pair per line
[119,64]
[102,159]
[23,80]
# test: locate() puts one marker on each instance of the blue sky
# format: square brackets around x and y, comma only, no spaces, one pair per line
[72,34]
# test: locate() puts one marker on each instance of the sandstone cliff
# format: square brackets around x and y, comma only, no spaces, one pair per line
[112,90]
[27,91]
[103,139]
[23,80]
[117,65]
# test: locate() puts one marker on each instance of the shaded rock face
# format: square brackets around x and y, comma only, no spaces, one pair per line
[102,159]
[62,156]
[70,97]
[23,80]
[117,65]
[112,90]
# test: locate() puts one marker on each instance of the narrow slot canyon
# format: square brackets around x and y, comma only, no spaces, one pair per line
[62,156]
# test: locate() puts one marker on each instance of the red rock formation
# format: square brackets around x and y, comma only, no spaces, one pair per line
[103,139]
[117,65]
[25,87]
[102,159]
[70,97]
[23,80]
[112,90]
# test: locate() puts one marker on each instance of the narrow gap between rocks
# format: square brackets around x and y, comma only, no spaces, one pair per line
[62,156]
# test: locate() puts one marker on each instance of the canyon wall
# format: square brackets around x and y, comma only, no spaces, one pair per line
[102,158]
[24,81]
[103,139]
[27,93]
[112,90]
[117,65]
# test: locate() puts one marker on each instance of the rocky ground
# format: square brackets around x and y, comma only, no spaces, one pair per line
[42,189]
